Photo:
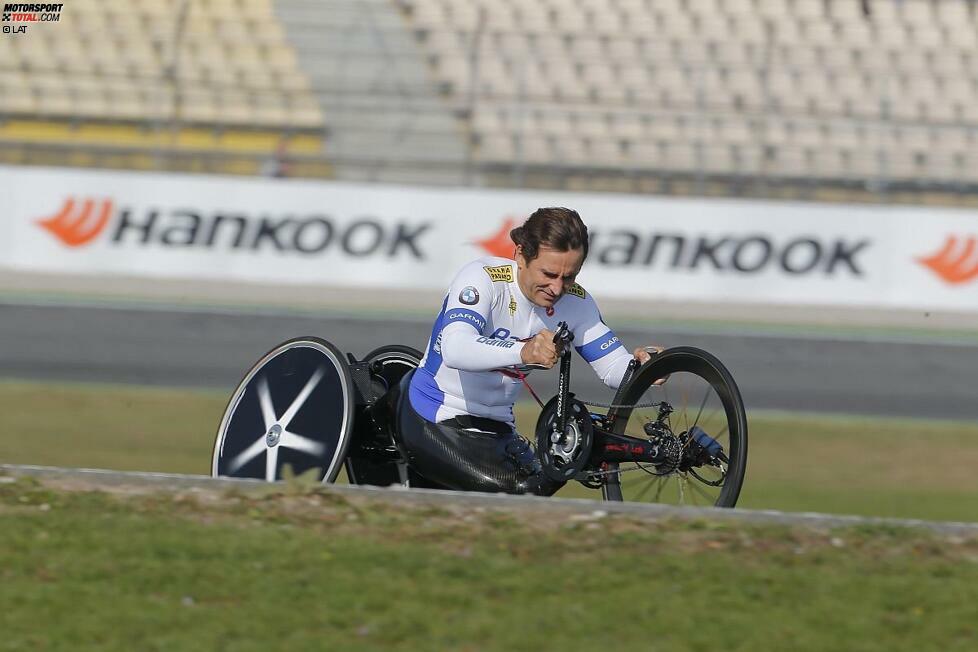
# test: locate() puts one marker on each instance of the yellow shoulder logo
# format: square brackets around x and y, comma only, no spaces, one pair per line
[576,290]
[500,273]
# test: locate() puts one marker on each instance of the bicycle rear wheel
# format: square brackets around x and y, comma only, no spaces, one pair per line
[293,408]
[698,418]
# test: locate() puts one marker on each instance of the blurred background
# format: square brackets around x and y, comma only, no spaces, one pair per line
[841,105]
[836,100]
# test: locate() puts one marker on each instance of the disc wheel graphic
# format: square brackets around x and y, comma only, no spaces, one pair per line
[293,408]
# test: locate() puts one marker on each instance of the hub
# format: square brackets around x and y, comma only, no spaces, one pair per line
[273,436]
[564,450]
[668,451]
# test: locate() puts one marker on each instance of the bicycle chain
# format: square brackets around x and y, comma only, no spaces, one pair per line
[619,405]
[627,378]
[638,467]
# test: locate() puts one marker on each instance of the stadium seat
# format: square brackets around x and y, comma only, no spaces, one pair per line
[824,87]
[108,66]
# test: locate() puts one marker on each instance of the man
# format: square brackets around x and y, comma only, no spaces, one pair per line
[457,426]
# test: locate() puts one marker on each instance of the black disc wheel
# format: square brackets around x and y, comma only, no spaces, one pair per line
[697,421]
[294,408]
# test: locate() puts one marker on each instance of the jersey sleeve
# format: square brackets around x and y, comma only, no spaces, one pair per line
[597,343]
[465,345]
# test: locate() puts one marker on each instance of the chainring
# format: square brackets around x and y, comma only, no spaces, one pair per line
[564,458]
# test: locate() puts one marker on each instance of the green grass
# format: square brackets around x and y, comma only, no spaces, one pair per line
[298,567]
[305,569]
[107,426]
[885,467]
[912,468]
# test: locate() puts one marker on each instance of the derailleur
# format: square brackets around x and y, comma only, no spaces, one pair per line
[691,449]
[667,450]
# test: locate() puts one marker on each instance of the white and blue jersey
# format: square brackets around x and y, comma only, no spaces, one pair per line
[480,329]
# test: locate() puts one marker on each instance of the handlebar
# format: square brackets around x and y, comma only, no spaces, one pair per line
[563,334]
[562,337]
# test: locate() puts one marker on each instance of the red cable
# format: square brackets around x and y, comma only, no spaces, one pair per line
[518,375]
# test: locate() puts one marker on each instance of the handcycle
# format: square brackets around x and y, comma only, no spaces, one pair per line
[675,432]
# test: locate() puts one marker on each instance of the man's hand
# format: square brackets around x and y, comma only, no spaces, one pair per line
[540,350]
[644,353]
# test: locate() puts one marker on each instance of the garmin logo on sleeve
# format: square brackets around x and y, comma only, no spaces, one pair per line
[465,315]
[491,341]
[610,343]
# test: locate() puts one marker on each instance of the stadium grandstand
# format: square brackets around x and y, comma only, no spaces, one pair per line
[848,100]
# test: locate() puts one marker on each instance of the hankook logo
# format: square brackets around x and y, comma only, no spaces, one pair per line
[499,243]
[733,253]
[80,221]
[956,262]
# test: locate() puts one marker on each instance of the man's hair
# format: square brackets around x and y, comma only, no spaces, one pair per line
[560,229]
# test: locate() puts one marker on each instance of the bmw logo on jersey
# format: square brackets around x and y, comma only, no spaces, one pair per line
[469,296]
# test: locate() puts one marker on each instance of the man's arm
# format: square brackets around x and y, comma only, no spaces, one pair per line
[463,341]
[609,365]
[467,350]
[600,347]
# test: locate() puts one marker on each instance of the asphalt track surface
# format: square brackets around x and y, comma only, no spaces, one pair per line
[214,348]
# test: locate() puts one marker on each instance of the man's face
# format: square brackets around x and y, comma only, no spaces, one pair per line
[544,279]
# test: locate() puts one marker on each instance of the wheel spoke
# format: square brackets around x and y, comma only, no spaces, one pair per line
[271,463]
[661,485]
[706,395]
[300,443]
[301,398]
[265,400]
[685,403]
[697,488]
[247,455]
[649,483]
[709,420]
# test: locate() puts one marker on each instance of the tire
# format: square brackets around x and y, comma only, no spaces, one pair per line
[295,408]
[394,361]
[703,394]
[388,364]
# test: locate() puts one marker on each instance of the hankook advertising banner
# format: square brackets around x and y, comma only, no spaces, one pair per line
[345,234]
